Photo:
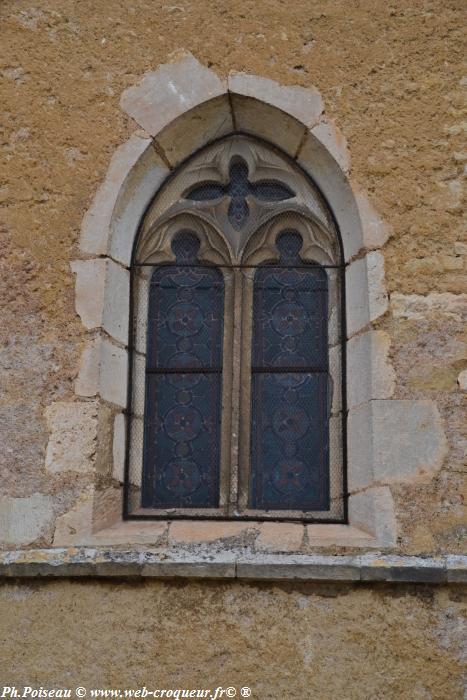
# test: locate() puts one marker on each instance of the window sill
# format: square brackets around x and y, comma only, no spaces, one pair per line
[112,562]
[223,535]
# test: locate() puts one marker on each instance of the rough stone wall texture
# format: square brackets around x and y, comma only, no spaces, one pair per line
[390,75]
[397,93]
[301,641]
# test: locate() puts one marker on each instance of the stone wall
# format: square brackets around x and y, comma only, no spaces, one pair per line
[390,77]
[302,641]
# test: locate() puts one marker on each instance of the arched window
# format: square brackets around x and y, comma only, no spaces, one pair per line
[237,398]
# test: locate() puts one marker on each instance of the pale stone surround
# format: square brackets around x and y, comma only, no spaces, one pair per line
[181,107]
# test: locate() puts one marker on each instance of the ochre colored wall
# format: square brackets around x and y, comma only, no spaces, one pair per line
[391,77]
[390,74]
[291,642]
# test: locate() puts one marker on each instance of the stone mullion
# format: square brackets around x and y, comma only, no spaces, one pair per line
[227,427]
[247,277]
[236,364]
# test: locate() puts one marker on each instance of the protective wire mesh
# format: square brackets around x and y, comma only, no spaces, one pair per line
[290,397]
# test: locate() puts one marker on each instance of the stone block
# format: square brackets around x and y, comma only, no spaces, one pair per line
[305,104]
[268,123]
[377,293]
[113,374]
[280,537]
[107,507]
[367,297]
[361,468]
[373,512]
[87,381]
[118,447]
[192,532]
[323,535]
[132,533]
[456,568]
[95,228]
[394,441]
[102,296]
[358,310]
[189,569]
[409,440]
[451,262]
[334,141]
[195,129]
[402,569]
[144,178]
[369,372]
[75,526]
[462,380]
[316,568]
[24,520]
[89,292]
[415,307]
[323,168]
[73,434]
[375,231]
[116,307]
[170,91]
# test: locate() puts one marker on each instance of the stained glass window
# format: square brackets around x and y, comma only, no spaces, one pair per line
[183,382]
[237,347]
[289,440]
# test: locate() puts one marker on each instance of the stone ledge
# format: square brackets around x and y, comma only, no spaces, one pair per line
[105,562]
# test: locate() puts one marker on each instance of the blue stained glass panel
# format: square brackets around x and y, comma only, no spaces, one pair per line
[182,441]
[290,324]
[185,318]
[289,442]
[290,431]
[182,408]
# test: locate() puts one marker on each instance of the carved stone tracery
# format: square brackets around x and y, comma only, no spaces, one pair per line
[212,170]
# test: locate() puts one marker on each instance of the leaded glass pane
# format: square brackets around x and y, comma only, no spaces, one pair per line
[182,410]
[289,445]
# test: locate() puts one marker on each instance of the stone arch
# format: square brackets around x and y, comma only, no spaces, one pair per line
[180,108]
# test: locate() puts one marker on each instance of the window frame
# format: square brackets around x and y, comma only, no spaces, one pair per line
[232,279]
